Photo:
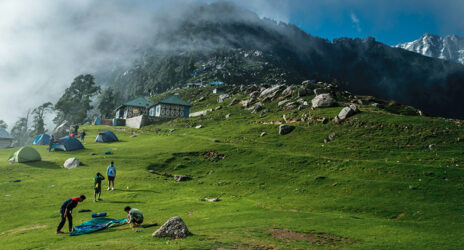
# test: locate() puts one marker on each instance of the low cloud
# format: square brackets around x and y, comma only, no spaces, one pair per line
[355,21]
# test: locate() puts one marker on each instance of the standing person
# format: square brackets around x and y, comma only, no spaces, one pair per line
[97,186]
[111,173]
[66,211]
[134,215]
[52,141]
[82,135]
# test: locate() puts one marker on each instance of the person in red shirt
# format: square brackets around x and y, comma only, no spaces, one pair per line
[66,211]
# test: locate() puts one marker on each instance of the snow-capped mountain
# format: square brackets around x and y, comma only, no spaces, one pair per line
[449,47]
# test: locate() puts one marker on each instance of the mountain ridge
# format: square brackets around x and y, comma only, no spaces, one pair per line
[450,47]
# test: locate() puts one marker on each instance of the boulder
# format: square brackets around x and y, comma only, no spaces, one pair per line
[432,146]
[285,129]
[331,137]
[263,134]
[222,98]
[325,120]
[245,103]
[234,101]
[202,99]
[271,92]
[218,108]
[179,178]
[288,91]
[319,91]
[199,126]
[323,101]
[291,105]
[282,103]
[345,113]
[257,107]
[71,163]
[173,228]
[254,94]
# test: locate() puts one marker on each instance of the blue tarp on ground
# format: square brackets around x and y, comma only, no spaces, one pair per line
[96,224]
[67,143]
[106,136]
[42,139]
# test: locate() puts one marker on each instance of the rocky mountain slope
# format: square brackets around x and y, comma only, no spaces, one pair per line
[223,42]
[449,47]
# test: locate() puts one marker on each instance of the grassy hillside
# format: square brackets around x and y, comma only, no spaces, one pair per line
[376,186]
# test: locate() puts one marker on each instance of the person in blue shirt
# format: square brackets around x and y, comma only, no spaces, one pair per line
[111,173]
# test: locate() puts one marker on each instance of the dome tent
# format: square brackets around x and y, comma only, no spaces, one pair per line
[106,136]
[25,154]
[42,139]
[67,143]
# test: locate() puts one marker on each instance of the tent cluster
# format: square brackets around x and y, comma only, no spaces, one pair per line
[66,143]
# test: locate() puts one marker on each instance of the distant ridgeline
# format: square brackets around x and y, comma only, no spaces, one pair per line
[223,42]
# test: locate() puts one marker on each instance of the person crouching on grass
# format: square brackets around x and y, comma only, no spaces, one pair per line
[134,215]
[66,211]
[97,186]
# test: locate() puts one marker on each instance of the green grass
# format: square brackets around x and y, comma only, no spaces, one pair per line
[378,167]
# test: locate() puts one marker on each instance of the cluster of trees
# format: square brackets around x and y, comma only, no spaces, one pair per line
[74,106]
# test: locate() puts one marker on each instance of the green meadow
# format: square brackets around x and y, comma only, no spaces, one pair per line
[377,185]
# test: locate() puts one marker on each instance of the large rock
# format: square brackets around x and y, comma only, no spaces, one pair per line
[345,113]
[173,228]
[323,101]
[257,107]
[282,103]
[285,129]
[222,98]
[234,101]
[179,178]
[302,92]
[271,92]
[71,163]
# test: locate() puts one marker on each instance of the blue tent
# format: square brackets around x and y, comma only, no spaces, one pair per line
[42,139]
[106,136]
[67,143]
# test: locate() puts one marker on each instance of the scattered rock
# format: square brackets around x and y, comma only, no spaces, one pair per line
[271,92]
[218,108]
[234,101]
[285,129]
[282,103]
[213,155]
[377,105]
[199,126]
[420,113]
[71,163]
[133,136]
[331,137]
[228,116]
[222,98]
[323,101]
[173,228]
[257,107]
[211,199]
[360,102]
[291,105]
[288,91]
[325,120]
[263,134]
[354,108]
[171,130]
[179,178]
[202,99]
[15,181]
[432,146]
[152,171]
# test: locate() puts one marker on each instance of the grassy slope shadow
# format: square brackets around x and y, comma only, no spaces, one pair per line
[43,164]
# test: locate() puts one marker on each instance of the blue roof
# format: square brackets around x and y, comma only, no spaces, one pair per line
[217,83]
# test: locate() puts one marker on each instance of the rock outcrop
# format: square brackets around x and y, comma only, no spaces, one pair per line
[174,228]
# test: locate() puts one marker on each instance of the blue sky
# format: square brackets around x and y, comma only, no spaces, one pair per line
[390,22]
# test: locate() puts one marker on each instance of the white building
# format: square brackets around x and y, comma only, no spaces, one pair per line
[171,107]
[5,139]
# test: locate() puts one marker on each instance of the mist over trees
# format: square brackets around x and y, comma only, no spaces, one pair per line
[38,123]
[3,125]
[108,101]
[75,103]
